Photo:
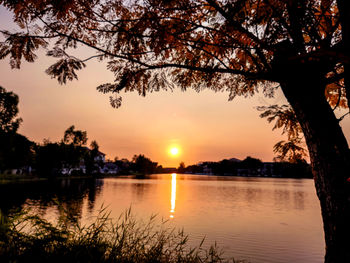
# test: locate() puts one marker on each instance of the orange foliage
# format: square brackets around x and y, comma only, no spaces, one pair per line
[191,43]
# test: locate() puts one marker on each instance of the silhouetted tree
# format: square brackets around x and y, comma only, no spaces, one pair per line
[181,168]
[8,111]
[75,137]
[123,165]
[89,159]
[292,150]
[194,169]
[49,160]
[72,151]
[51,157]
[289,151]
[225,167]
[296,169]
[240,46]
[143,165]
[250,162]
[16,151]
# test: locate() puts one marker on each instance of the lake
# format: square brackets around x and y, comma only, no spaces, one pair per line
[271,220]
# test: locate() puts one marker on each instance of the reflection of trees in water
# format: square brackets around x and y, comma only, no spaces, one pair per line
[95,188]
[67,195]
[140,189]
[281,198]
[299,198]
[253,194]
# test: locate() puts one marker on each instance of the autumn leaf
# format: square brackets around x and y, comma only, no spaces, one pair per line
[64,69]
[19,46]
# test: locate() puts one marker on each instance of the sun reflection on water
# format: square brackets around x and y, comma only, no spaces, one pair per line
[173,194]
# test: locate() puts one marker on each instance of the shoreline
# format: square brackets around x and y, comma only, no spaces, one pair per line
[23,178]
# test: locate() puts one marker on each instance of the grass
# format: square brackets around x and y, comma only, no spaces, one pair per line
[13,178]
[26,237]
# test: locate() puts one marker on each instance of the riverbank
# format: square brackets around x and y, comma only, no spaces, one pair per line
[105,240]
[17,178]
[10,178]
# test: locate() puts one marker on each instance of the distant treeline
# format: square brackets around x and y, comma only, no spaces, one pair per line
[70,156]
[20,155]
[250,167]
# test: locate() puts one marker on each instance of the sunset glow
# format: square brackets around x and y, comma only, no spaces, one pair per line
[174,151]
[103,102]
[189,121]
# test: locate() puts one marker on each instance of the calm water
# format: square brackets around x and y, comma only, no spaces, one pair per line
[257,219]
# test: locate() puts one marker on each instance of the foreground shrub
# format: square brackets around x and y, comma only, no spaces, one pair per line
[26,237]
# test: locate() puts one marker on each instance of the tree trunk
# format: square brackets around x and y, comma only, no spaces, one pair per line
[330,158]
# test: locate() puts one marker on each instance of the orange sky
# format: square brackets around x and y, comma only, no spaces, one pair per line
[205,126]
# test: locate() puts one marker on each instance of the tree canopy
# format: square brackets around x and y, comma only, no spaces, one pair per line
[143,165]
[239,46]
[75,137]
[293,150]
[15,150]
[8,111]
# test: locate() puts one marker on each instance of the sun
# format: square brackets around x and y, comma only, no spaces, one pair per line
[174,151]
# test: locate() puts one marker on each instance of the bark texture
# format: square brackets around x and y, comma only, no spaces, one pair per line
[329,154]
